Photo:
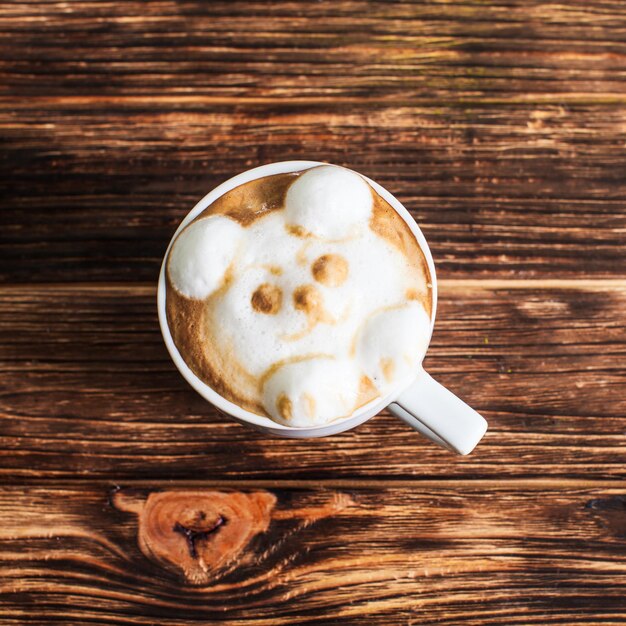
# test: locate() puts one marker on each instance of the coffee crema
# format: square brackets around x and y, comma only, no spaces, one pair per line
[300,296]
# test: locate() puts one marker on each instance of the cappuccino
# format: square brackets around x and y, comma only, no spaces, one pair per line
[300,296]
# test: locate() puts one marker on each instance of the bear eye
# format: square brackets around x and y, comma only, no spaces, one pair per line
[330,270]
[267,298]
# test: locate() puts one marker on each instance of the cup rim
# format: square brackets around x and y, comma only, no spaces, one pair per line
[261,422]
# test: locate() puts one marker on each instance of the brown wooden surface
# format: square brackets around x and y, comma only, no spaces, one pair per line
[500,190]
[502,127]
[435,553]
[92,391]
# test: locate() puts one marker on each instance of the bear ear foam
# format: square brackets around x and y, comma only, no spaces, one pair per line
[329,202]
[201,255]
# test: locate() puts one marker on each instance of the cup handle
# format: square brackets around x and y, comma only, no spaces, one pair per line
[428,407]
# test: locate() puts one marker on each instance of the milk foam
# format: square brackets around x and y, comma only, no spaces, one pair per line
[377,277]
[329,202]
[391,344]
[201,255]
[308,335]
[311,392]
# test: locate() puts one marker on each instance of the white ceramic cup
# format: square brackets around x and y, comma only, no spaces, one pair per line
[425,405]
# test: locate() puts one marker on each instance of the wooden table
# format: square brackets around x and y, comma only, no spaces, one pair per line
[502,127]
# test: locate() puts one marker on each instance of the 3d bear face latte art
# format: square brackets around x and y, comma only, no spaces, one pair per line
[300,296]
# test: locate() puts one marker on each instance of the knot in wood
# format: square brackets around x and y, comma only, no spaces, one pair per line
[200,534]
[192,535]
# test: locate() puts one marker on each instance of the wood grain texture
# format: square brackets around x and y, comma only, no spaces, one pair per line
[533,192]
[328,556]
[501,126]
[511,51]
[126,499]
[88,389]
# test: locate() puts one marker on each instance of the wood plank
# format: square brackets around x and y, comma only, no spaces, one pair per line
[459,51]
[499,125]
[88,390]
[126,499]
[532,191]
[445,555]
